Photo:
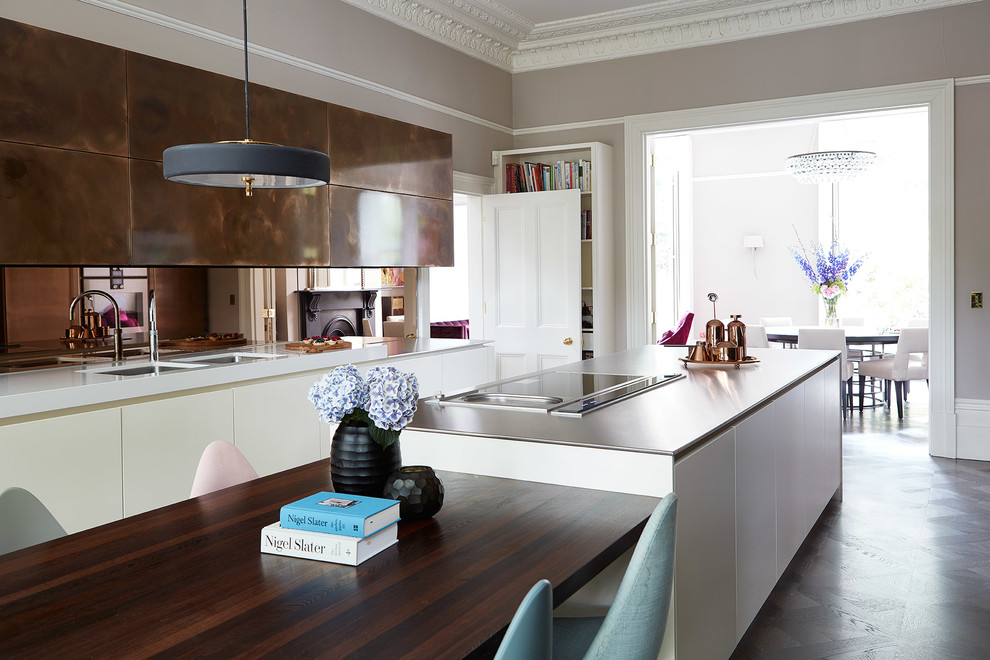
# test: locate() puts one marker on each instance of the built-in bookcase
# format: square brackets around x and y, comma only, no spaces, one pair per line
[548,168]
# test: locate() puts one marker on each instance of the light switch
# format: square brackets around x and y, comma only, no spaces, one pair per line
[976,300]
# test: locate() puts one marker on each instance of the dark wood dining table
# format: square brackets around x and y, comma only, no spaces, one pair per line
[189,579]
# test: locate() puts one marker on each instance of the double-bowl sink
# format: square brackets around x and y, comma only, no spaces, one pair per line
[181,364]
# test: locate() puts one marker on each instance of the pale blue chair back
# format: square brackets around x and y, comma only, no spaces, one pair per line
[634,626]
[25,521]
[528,636]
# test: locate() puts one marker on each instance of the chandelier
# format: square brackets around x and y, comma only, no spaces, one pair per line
[829,166]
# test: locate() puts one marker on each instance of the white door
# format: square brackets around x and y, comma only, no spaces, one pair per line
[532,279]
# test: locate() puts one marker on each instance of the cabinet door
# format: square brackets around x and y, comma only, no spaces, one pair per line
[813,494]
[833,435]
[705,583]
[70,463]
[276,426]
[163,441]
[790,431]
[756,515]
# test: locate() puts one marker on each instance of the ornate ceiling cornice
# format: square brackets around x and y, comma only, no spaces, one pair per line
[490,32]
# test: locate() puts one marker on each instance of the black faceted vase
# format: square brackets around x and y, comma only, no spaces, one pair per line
[358,464]
[418,489]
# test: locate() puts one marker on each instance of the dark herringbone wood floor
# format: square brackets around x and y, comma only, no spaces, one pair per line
[900,568]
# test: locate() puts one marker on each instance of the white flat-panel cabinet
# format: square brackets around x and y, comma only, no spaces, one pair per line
[70,463]
[790,469]
[276,426]
[162,444]
[705,623]
[756,514]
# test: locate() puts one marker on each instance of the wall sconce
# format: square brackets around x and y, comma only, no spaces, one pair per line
[753,241]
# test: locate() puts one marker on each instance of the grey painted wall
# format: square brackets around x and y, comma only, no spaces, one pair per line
[922,46]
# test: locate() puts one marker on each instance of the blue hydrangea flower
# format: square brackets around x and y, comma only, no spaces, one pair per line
[339,393]
[393,397]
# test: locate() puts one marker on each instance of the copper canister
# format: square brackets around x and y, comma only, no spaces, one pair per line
[736,333]
[726,351]
[699,353]
[714,333]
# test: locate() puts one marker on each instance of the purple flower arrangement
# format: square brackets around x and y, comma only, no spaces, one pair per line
[829,270]
[386,402]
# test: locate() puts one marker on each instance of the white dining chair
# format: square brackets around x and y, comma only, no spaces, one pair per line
[776,321]
[910,362]
[831,339]
[756,336]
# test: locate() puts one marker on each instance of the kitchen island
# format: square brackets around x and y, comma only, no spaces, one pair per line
[97,445]
[754,455]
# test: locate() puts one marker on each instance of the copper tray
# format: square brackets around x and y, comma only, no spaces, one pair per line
[749,359]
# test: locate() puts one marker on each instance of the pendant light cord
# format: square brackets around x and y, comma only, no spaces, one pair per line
[247,111]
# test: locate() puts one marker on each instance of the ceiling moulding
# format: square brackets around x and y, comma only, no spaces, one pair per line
[484,29]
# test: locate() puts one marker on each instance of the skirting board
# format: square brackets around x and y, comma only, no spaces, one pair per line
[973,429]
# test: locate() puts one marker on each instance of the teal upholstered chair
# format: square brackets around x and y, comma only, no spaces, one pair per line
[25,521]
[528,635]
[634,625]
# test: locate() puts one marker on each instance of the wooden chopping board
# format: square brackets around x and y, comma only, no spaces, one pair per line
[317,348]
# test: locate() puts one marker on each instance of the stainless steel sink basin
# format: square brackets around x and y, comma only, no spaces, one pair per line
[502,399]
[230,358]
[147,369]
[53,361]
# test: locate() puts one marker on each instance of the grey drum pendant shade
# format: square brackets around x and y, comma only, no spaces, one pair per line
[246,163]
[227,164]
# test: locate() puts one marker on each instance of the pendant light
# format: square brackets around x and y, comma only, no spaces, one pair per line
[829,166]
[245,163]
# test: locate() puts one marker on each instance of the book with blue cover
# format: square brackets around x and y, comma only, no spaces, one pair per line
[339,513]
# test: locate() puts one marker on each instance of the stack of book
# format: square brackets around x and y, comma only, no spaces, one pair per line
[344,529]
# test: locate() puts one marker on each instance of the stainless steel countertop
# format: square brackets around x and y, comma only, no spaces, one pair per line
[666,420]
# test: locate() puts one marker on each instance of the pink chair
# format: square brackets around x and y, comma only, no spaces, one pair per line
[680,334]
[222,465]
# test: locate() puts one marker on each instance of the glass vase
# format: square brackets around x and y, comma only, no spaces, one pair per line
[831,312]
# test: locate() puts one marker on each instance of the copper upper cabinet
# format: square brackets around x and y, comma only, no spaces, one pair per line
[179,225]
[62,207]
[370,228]
[377,153]
[170,104]
[61,91]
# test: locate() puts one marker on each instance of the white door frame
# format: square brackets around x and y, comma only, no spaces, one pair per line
[938,97]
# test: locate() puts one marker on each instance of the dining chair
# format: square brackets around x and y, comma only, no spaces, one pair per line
[25,521]
[634,626]
[529,635]
[902,367]
[756,336]
[831,339]
[680,334]
[776,321]
[222,465]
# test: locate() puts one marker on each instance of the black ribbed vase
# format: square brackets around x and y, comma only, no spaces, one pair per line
[358,464]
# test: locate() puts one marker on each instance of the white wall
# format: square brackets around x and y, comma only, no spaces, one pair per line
[741,188]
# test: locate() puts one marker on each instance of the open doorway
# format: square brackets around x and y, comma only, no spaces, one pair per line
[725,214]
[936,96]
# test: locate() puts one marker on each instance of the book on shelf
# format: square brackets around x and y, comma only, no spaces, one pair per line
[337,513]
[536,177]
[585,224]
[336,548]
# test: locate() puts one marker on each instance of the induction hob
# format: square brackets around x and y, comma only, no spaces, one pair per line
[564,393]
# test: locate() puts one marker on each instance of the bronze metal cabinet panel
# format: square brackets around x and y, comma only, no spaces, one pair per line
[172,104]
[61,91]
[376,153]
[174,224]
[62,207]
[370,229]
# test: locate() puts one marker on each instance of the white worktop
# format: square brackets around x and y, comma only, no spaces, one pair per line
[62,388]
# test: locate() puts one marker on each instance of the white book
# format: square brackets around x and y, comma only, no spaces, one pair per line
[350,550]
